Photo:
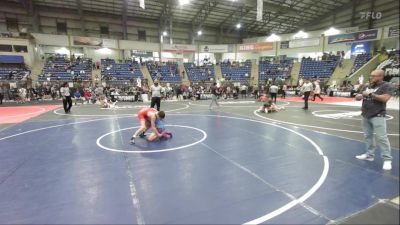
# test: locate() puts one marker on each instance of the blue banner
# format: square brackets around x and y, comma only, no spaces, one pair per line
[360,48]
[11,59]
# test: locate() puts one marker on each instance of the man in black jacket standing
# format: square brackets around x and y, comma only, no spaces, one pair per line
[375,96]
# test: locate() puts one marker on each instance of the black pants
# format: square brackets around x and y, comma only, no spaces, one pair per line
[306,96]
[67,101]
[1,98]
[273,97]
[283,94]
[317,95]
[154,101]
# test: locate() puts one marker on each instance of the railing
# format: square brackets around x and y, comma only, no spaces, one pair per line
[365,70]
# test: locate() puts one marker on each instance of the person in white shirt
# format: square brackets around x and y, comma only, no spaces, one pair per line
[284,89]
[306,89]
[155,95]
[22,94]
[243,90]
[66,96]
[317,91]
[273,92]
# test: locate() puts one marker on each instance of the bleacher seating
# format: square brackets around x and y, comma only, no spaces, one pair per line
[318,69]
[110,70]
[268,70]
[59,68]
[165,72]
[360,60]
[199,73]
[18,71]
[240,73]
[391,65]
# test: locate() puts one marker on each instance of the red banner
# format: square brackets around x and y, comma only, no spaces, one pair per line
[256,47]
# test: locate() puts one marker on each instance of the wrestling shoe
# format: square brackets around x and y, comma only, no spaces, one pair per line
[365,157]
[142,135]
[387,165]
[132,140]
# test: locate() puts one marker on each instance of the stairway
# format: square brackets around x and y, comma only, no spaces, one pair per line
[340,73]
[254,76]
[366,69]
[146,75]
[185,80]
[96,75]
[217,72]
[36,69]
[294,74]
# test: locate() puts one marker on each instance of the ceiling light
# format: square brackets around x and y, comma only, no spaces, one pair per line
[238,26]
[105,51]
[300,34]
[62,51]
[273,38]
[331,31]
[199,32]
[183,2]
[164,33]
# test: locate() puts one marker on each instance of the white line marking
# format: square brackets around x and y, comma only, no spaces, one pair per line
[261,219]
[49,127]
[151,151]
[304,197]
[322,128]
[343,114]
[63,114]
[240,106]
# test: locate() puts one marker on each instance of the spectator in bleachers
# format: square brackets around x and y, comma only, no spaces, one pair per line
[77,96]
[87,94]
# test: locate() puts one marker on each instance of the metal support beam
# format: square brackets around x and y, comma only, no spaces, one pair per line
[82,20]
[124,21]
[317,20]
[192,35]
[220,36]
[170,32]
[353,12]
[371,20]
[203,13]
[333,19]
[34,14]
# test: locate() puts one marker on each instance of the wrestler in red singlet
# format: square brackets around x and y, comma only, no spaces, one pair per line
[147,121]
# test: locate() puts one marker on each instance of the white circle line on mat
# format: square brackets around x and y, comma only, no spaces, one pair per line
[350,113]
[260,219]
[92,115]
[294,202]
[310,126]
[238,106]
[151,151]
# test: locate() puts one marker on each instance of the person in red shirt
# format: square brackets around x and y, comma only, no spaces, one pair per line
[148,118]
[87,94]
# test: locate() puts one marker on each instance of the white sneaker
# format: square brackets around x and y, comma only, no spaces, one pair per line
[365,157]
[387,165]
